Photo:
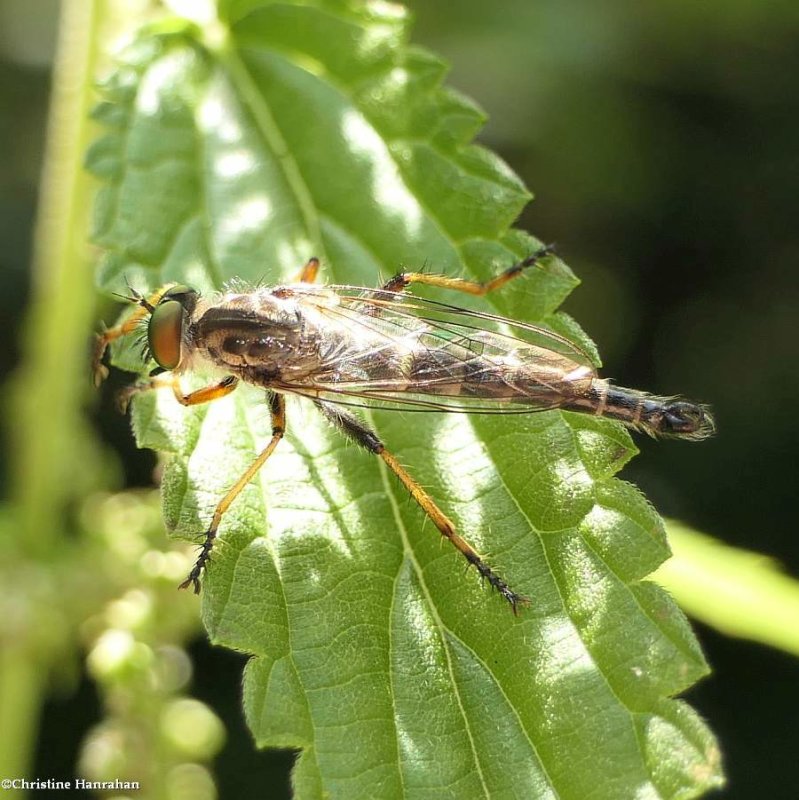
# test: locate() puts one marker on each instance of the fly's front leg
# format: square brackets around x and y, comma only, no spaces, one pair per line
[207,393]
[204,395]
[277,408]
[309,272]
[359,433]
[400,282]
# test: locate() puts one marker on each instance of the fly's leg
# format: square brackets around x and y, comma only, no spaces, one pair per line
[207,393]
[309,272]
[102,340]
[277,408]
[204,395]
[400,282]
[355,430]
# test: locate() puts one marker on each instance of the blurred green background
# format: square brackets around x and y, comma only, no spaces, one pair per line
[661,142]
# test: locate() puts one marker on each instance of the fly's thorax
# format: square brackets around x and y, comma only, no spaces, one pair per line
[259,336]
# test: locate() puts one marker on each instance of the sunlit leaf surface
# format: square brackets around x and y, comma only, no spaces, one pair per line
[298,129]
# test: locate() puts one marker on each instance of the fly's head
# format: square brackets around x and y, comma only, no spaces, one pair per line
[166,316]
[168,326]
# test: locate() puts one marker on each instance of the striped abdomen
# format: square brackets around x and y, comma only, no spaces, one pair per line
[657,416]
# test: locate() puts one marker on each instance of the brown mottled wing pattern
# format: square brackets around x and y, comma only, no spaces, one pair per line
[389,350]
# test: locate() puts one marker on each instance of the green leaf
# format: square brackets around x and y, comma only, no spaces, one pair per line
[294,129]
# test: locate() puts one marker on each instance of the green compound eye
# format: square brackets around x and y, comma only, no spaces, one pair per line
[177,291]
[165,332]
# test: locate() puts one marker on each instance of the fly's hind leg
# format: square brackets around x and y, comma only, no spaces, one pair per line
[401,281]
[355,430]
[277,408]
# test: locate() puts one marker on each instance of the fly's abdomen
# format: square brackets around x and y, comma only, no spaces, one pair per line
[657,416]
[541,379]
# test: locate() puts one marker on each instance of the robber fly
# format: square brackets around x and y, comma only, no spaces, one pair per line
[343,346]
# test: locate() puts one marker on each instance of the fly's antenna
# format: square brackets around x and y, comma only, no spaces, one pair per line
[135,297]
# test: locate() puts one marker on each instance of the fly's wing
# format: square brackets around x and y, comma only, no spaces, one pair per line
[383,349]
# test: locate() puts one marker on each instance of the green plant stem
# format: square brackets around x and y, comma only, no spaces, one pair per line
[52,382]
[738,592]
[49,389]
[21,688]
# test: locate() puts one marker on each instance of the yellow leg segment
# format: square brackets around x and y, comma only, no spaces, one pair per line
[357,431]
[404,279]
[169,381]
[278,410]
[447,529]
[309,272]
